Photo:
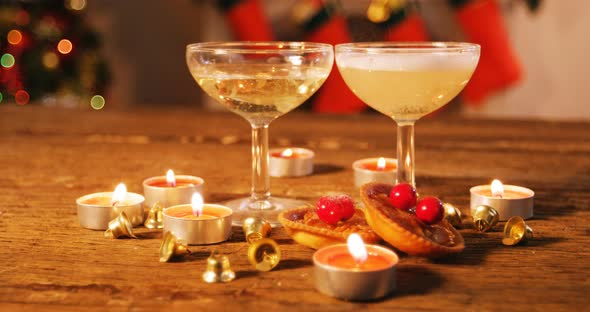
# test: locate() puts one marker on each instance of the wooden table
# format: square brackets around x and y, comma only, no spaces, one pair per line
[49,157]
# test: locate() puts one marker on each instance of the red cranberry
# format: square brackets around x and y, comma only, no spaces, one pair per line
[334,208]
[430,210]
[403,196]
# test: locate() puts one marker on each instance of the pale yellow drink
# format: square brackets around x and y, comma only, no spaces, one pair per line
[406,94]
[260,92]
[406,85]
[406,81]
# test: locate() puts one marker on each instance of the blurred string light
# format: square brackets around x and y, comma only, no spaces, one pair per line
[14,37]
[1,97]
[65,46]
[7,60]
[50,60]
[76,5]
[97,102]
[21,97]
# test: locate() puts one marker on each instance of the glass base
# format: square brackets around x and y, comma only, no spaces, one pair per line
[246,207]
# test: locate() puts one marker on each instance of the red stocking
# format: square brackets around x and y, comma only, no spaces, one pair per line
[334,96]
[498,67]
[247,20]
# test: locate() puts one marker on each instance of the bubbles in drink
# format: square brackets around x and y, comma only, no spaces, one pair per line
[260,92]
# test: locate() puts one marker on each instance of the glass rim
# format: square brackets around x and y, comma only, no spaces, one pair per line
[412,47]
[259,47]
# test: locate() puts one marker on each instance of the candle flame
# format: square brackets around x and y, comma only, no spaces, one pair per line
[197,204]
[357,248]
[119,194]
[170,178]
[287,153]
[497,188]
[381,163]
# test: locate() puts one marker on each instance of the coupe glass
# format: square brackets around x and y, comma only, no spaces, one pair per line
[260,81]
[406,81]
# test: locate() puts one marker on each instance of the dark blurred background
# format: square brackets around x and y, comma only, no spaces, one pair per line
[117,54]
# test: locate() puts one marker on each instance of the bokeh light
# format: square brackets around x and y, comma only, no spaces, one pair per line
[1,97]
[97,102]
[65,46]
[50,60]
[7,60]
[14,37]
[77,5]
[22,97]
[22,18]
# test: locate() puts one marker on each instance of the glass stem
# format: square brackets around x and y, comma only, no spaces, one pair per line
[260,176]
[405,153]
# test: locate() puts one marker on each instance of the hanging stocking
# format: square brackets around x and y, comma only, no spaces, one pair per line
[247,20]
[498,66]
[328,26]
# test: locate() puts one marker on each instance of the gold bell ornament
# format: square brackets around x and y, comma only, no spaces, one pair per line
[516,231]
[120,227]
[485,218]
[453,215]
[172,247]
[218,269]
[154,219]
[264,253]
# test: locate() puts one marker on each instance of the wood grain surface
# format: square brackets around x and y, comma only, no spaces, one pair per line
[49,157]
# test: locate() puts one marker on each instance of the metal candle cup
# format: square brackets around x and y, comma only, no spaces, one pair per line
[365,173]
[354,283]
[215,229]
[156,189]
[94,213]
[518,203]
[296,163]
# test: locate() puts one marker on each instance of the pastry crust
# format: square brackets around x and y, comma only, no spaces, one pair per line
[303,225]
[404,230]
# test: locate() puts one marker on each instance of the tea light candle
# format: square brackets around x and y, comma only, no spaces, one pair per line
[508,200]
[355,271]
[290,162]
[198,223]
[96,210]
[374,170]
[171,190]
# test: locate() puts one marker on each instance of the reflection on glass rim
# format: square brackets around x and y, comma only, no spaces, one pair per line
[259,47]
[413,47]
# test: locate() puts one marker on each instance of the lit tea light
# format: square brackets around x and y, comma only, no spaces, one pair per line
[170,178]
[96,210]
[374,170]
[355,271]
[171,189]
[507,200]
[198,223]
[291,162]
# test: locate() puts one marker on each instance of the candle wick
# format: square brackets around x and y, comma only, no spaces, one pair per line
[115,203]
[172,184]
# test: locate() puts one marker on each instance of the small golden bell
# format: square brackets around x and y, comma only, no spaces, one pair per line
[154,219]
[218,269]
[172,247]
[120,227]
[264,254]
[256,228]
[485,218]
[453,215]
[516,231]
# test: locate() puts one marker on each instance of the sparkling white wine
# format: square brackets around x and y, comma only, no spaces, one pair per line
[406,87]
[260,92]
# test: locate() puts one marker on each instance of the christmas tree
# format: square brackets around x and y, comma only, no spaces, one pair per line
[50,54]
